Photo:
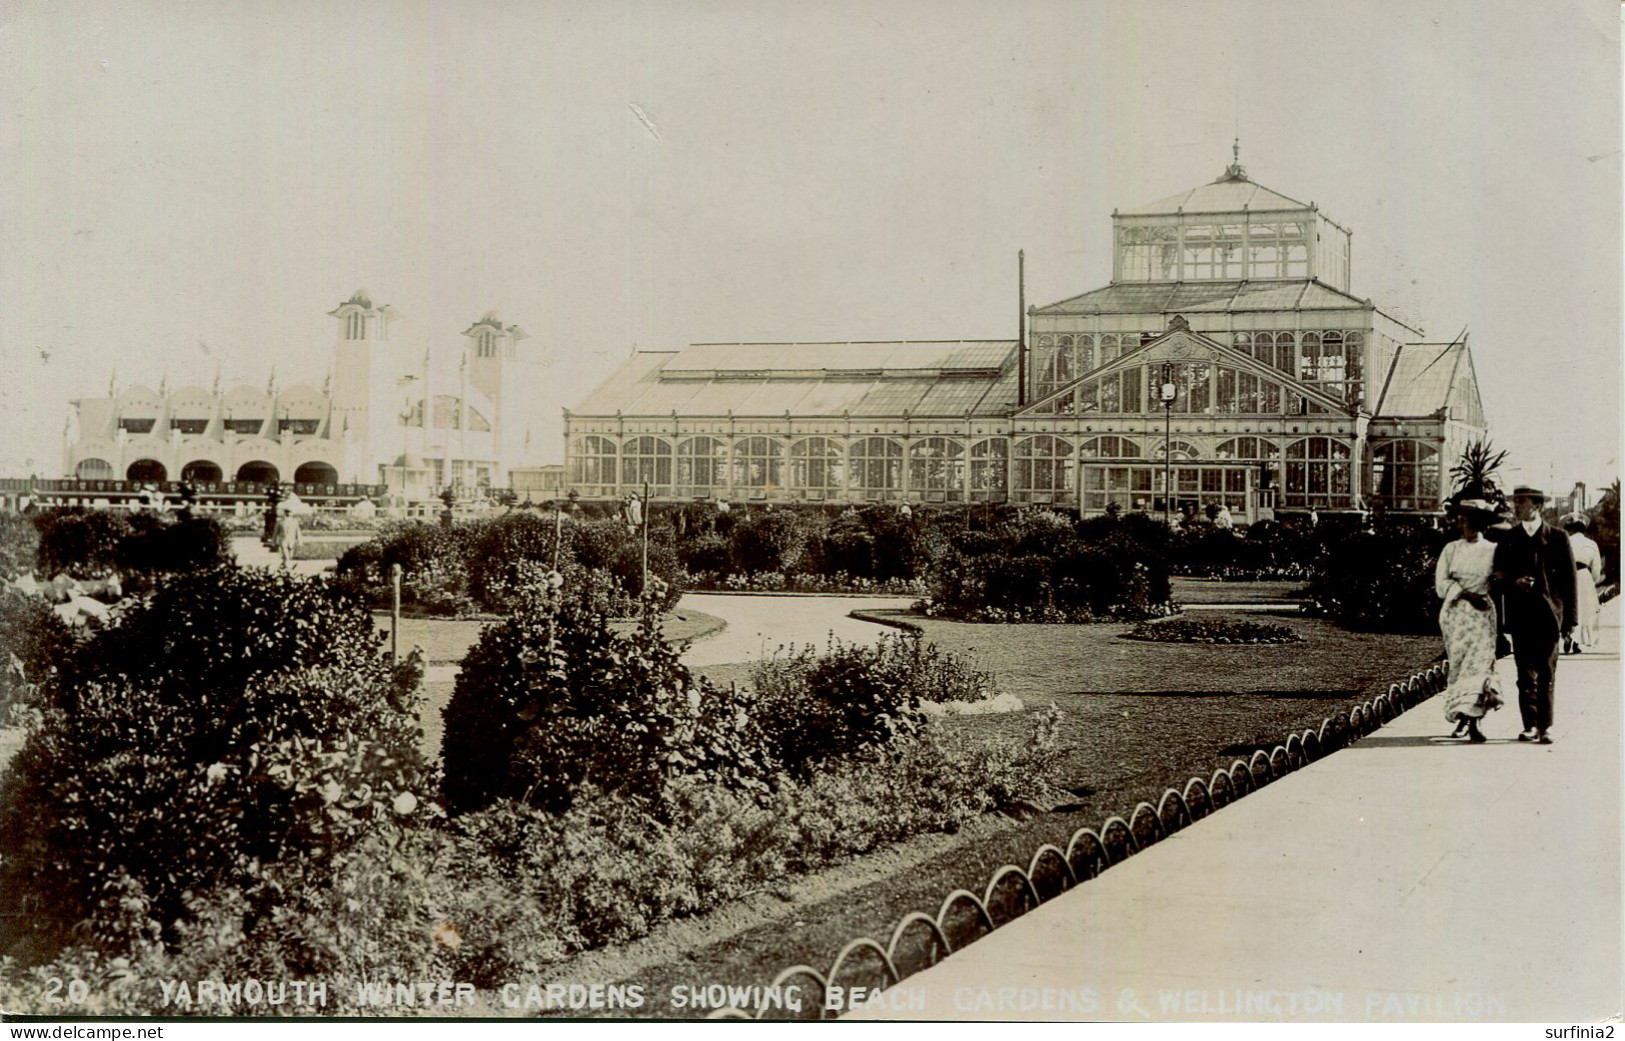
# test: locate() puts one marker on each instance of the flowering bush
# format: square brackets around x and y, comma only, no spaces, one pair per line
[852,698]
[230,722]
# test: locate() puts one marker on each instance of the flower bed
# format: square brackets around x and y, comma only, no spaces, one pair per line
[1216,630]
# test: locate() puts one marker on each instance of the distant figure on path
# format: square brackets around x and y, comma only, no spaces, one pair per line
[285,539]
[1467,619]
[1534,572]
[1223,520]
[1587,577]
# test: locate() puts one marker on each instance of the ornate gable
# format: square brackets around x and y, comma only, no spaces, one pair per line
[1209,376]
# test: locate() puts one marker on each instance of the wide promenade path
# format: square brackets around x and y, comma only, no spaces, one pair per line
[1408,877]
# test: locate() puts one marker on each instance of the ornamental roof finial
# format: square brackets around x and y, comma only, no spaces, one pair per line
[1235,171]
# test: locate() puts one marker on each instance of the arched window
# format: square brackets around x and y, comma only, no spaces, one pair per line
[1406,474]
[315,473]
[1179,450]
[816,467]
[1108,348]
[94,470]
[1249,449]
[936,469]
[592,461]
[989,469]
[257,472]
[875,468]
[1055,366]
[1043,469]
[1285,351]
[1109,448]
[201,470]
[355,327]
[1086,354]
[1317,473]
[646,459]
[1309,356]
[702,464]
[486,342]
[758,466]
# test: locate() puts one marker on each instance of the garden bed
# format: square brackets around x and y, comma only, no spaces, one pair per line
[1128,738]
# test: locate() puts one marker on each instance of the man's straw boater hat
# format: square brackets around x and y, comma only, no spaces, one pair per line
[1524,491]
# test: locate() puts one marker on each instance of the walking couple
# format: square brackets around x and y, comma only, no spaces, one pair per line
[1530,570]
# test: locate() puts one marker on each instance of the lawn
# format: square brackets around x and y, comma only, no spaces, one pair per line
[1140,718]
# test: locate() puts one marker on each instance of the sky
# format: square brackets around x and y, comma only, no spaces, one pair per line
[186,187]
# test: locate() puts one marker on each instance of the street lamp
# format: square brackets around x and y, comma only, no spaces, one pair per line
[1168,391]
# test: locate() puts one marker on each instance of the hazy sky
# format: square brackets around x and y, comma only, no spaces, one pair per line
[193,184]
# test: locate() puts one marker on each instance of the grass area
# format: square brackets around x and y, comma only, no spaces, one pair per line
[1187,590]
[1062,661]
[324,548]
[1140,718]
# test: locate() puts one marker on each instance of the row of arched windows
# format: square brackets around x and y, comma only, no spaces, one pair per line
[1333,358]
[1311,471]
[204,471]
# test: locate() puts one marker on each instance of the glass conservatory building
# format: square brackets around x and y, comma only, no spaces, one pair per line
[1227,361]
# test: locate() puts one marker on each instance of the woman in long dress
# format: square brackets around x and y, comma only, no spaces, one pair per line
[1588,576]
[1467,619]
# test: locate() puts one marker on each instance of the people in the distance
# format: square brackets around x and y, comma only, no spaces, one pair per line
[285,538]
[1587,577]
[1534,574]
[1468,620]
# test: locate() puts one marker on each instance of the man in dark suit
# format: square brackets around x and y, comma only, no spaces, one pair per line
[1534,574]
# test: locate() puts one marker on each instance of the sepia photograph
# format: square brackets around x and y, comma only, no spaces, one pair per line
[1055,510]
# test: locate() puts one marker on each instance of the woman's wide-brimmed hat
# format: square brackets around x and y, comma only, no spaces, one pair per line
[1576,520]
[1470,507]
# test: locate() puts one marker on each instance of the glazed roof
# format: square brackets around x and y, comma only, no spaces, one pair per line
[1185,297]
[1427,377]
[949,378]
[1231,193]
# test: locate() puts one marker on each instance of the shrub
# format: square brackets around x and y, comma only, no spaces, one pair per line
[80,542]
[770,540]
[19,545]
[1381,581]
[231,721]
[705,553]
[156,546]
[34,642]
[552,700]
[853,699]
[488,564]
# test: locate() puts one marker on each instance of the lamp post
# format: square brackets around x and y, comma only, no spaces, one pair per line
[1168,392]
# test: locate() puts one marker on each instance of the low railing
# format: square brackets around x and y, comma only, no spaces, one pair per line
[93,488]
[919,941]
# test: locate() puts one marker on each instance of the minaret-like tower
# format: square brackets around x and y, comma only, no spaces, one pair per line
[493,349]
[365,414]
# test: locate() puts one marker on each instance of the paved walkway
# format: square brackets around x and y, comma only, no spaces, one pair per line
[251,552]
[1407,878]
[759,625]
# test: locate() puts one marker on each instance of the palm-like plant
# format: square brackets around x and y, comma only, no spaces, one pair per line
[1475,471]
